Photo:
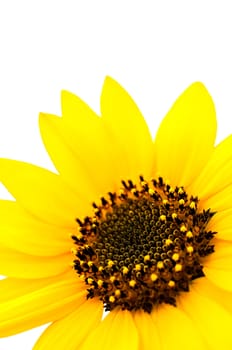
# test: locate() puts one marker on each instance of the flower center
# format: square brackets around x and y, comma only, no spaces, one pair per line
[143,245]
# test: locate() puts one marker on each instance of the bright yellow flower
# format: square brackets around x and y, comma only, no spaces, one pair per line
[140,228]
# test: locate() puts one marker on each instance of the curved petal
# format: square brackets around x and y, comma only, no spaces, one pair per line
[69,332]
[175,327]
[42,193]
[16,264]
[147,330]
[45,303]
[221,223]
[212,320]
[81,151]
[219,201]
[116,331]
[130,133]
[208,289]
[217,174]
[221,258]
[21,231]
[185,139]
[221,278]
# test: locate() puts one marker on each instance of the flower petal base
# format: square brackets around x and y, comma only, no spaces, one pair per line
[144,245]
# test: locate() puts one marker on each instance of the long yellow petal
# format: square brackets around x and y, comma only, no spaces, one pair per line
[130,133]
[222,278]
[81,152]
[147,330]
[221,259]
[219,202]
[21,231]
[217,174]
[212,320]
[221,223]
[117,331]
[42,193]
[71,331]
[176,329]
[16,264]
[206,288]
[45,304]
[185,139]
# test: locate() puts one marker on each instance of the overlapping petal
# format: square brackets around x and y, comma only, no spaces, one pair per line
[185,138]
[72,330]
[21,231]
[38,302]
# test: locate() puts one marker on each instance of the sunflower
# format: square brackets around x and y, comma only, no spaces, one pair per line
[138,228]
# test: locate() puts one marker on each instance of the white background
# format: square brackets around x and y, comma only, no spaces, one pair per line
[154,48]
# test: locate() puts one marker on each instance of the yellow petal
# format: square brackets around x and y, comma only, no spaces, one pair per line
[217,174]
[41,192]
[206,288]
[176,329]
[221,259]
[69,332]
[16,264]
[130,133]
[80,151]
[42,305]
[21,231]
[147,330]
[185,139]
[212,320]
[221,278]
[221,223]
[117,331]
[219,201]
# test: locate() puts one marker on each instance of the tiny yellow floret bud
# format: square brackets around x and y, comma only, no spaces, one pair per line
[163,217]
[175,257]
[183,228]
[132,283]
[125,270]
[171,283]
[154,277]
[111,299]
[189,234]
[110,263]
[181,201]
[117,293]
[174,215]
[146,258]
[190,249]
[160,265]
[178,267]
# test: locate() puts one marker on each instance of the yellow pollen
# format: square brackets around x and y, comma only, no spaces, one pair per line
[163,217]
[165,201]
[82,277]
[171,190]
[175,257]
[74,250]
[137,267]
[121,191]
[111,299]
[160,265]
[189,234]
[110,263]
[125,270]
[112,278]
[174,215]
[178,267]
[89,280]
[79,235]
[154,277]
[171,284]
[151,191]
[96,210]
[100,283]
[168,241]
[181,201]
[146,258]
[180,191]
[90,263]
[132,283]
[183,228]
[143,183]
[101,268]
[192,205]
[117,293]
[82,262]
[190,249]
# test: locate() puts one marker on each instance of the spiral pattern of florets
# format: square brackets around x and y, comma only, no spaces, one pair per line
[143,246]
